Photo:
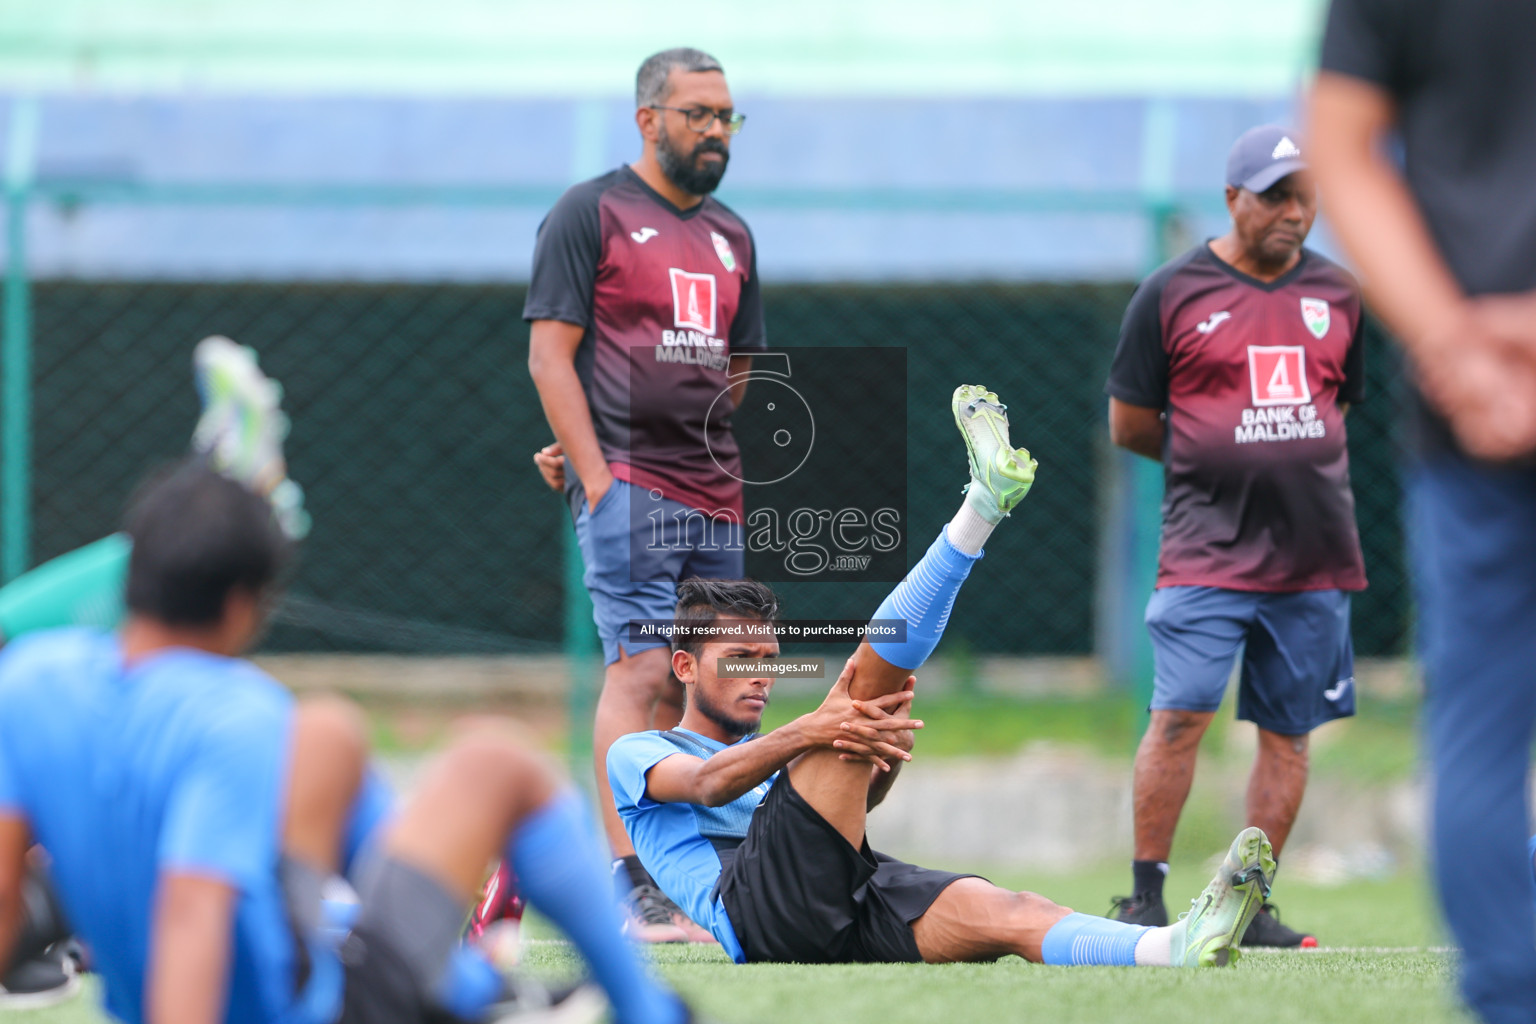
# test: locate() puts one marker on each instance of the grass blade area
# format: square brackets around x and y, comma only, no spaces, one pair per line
[1390,968]
[1384,962]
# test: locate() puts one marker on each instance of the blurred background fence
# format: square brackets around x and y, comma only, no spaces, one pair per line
[415,419]
[353,190]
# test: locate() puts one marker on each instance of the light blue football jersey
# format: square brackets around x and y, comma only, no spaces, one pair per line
[174,763]
[680,844]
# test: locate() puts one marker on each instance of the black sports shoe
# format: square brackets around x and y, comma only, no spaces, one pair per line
[648,916]
[44,980]
[1142,908]
[1266,930]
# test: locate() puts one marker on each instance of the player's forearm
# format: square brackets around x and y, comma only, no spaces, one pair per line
[1148,445]
[15,837]
[569,416]
[1375,217]
[738,769]
[1137,428]
[189,951]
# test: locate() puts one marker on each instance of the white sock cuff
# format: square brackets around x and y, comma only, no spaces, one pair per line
[968,531]
[1155,947]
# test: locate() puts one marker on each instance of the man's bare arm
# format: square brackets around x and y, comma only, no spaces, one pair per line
[15,837]
[1136,428]
[1475,358]
[683,778]
[1376,218]
[552,348]
[189,950]
[839,724]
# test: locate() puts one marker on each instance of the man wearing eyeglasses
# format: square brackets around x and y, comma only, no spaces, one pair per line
[1235,366]
[644,304]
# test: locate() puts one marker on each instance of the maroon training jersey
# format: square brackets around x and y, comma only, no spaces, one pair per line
[1255,464]
[666,297]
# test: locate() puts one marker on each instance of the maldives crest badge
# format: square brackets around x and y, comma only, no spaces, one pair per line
[1314,313]
[728,258]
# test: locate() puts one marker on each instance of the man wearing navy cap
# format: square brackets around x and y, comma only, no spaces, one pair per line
[1235,366]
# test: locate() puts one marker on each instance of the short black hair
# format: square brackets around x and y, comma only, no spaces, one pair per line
[651,80]
[699,602]
[197,536]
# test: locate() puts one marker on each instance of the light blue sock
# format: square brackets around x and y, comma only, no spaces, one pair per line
[470,984]
[1082,939]
[924,599]
[373,806]
[562,871]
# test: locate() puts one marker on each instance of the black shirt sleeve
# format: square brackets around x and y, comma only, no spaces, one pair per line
[1360,39]
[565,258]
[748,332]
[1139,373]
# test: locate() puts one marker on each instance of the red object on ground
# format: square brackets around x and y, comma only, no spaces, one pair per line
[499,902]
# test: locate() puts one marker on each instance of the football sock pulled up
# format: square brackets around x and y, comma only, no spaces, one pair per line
[924,599]
[968,531]
[373,806]
[561,869]
[1083,939]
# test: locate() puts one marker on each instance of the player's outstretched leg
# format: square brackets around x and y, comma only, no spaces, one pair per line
[975,920]
[240,432]
[1207,936]
[242,427]
[1000,476]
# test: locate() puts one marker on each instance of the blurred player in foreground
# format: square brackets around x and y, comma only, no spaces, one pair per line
[1446,245]
[761,837]
[1236,364]
[240,433]
[645,306]
[222,805]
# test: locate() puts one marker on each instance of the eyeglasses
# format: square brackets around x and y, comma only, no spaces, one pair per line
[700,118]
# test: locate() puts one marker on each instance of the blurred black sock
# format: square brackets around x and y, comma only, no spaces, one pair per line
[1148,877]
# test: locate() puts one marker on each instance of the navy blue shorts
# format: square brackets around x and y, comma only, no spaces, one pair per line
[635,546]
[1298,660]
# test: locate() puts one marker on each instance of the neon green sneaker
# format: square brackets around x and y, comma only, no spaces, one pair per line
[1000,474]
[242,428]
[1220,915]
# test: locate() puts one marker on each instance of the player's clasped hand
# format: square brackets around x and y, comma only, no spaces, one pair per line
[1482,376]
[881,736]
[878,730]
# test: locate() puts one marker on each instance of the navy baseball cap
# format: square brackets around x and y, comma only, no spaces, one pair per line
[1262,156]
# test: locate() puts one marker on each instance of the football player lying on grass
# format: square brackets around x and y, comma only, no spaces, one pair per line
[761,837]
